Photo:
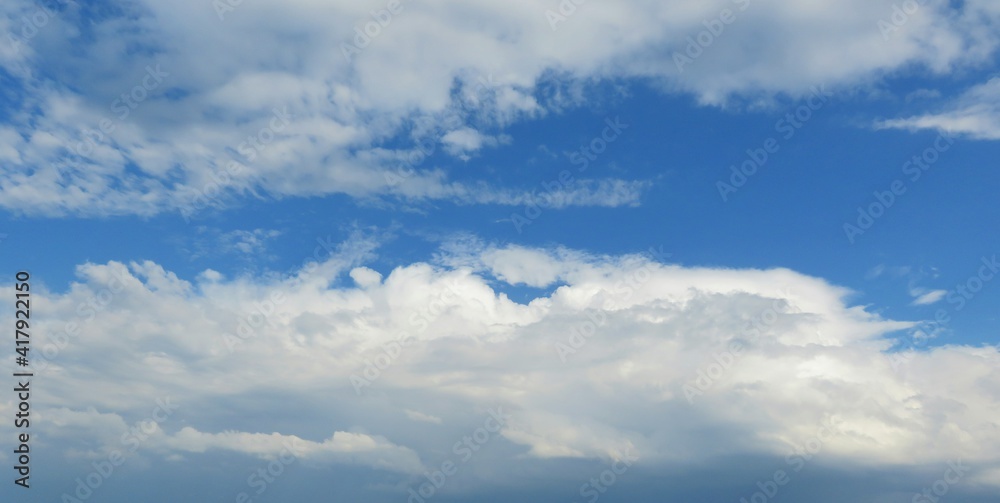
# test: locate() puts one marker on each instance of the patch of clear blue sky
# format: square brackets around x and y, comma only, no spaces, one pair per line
[790,213]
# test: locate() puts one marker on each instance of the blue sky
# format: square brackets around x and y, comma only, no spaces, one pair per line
[490,183]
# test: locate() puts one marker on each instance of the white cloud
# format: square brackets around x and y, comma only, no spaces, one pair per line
[211,241]
[463,141]
[607,193]
[648,332]
[420,416]
[247,242]
[342,447]
[439,75]
[975,113]
[518,265]
[365,277]
[109,432]
[926,298]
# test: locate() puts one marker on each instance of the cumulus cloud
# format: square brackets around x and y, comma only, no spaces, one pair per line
[145,107]
[678,364]
[465,141]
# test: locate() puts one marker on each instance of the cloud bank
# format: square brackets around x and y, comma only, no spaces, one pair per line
[677,365]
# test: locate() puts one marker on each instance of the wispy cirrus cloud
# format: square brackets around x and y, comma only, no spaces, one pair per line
[975,113]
